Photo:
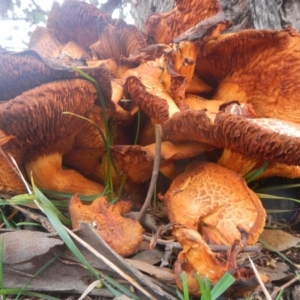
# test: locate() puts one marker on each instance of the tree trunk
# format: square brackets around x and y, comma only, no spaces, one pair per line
[141,9]
[262,14]
[259,14]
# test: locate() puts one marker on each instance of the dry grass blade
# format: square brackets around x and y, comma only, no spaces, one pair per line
[89,289]
[265,291]
[110,264]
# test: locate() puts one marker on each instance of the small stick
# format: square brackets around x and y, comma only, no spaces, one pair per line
[278,289]
[154,172]
[215,248]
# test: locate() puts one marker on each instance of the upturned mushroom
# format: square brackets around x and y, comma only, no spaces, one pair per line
[197,260]
[46,141]
[216,202]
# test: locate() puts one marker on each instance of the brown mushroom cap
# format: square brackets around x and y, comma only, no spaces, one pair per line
[136,162]
[124,235]
[44,135]
[77,21]
[93,29]
[44,43]
[261,138]
[143,85]
[260,67]
[216,201]
[10,182]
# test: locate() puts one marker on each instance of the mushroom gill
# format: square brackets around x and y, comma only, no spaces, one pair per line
[258,138]
[260,67]
[47,140]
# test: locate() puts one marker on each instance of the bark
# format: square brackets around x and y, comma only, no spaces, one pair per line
[141,9]
[259,14]
[262,14]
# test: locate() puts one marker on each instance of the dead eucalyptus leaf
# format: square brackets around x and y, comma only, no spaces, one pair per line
[22,245]
[279,240]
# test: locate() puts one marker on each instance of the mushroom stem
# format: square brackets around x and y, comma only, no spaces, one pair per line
[48,174]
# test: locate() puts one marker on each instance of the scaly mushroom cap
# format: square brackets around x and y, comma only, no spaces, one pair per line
[196,257]
[44,135]
[124,235]
[216,201]
[265,139]
[260,67]
[164,27]
[136,162]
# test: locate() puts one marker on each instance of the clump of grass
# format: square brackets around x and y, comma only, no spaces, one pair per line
[207,291]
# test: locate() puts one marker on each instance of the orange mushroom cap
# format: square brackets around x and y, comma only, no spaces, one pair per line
[45,138]
[216,201]
[259,67]
[124,235]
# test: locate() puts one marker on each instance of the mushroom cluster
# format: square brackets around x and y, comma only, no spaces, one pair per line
[225,101]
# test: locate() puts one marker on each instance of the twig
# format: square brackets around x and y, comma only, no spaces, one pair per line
[215,248]
[278,289]
[36,217]
[154,172]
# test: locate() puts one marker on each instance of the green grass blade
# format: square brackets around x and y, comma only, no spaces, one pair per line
[122,288]
[278,188]
[273,197]
[255,173]
[205,294]
[5,221]
[222,285]
[278,297]
[61,231]
[179,294]
[185,288]
[138,127]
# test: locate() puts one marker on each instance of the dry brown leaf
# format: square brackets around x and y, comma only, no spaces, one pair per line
[279,240]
